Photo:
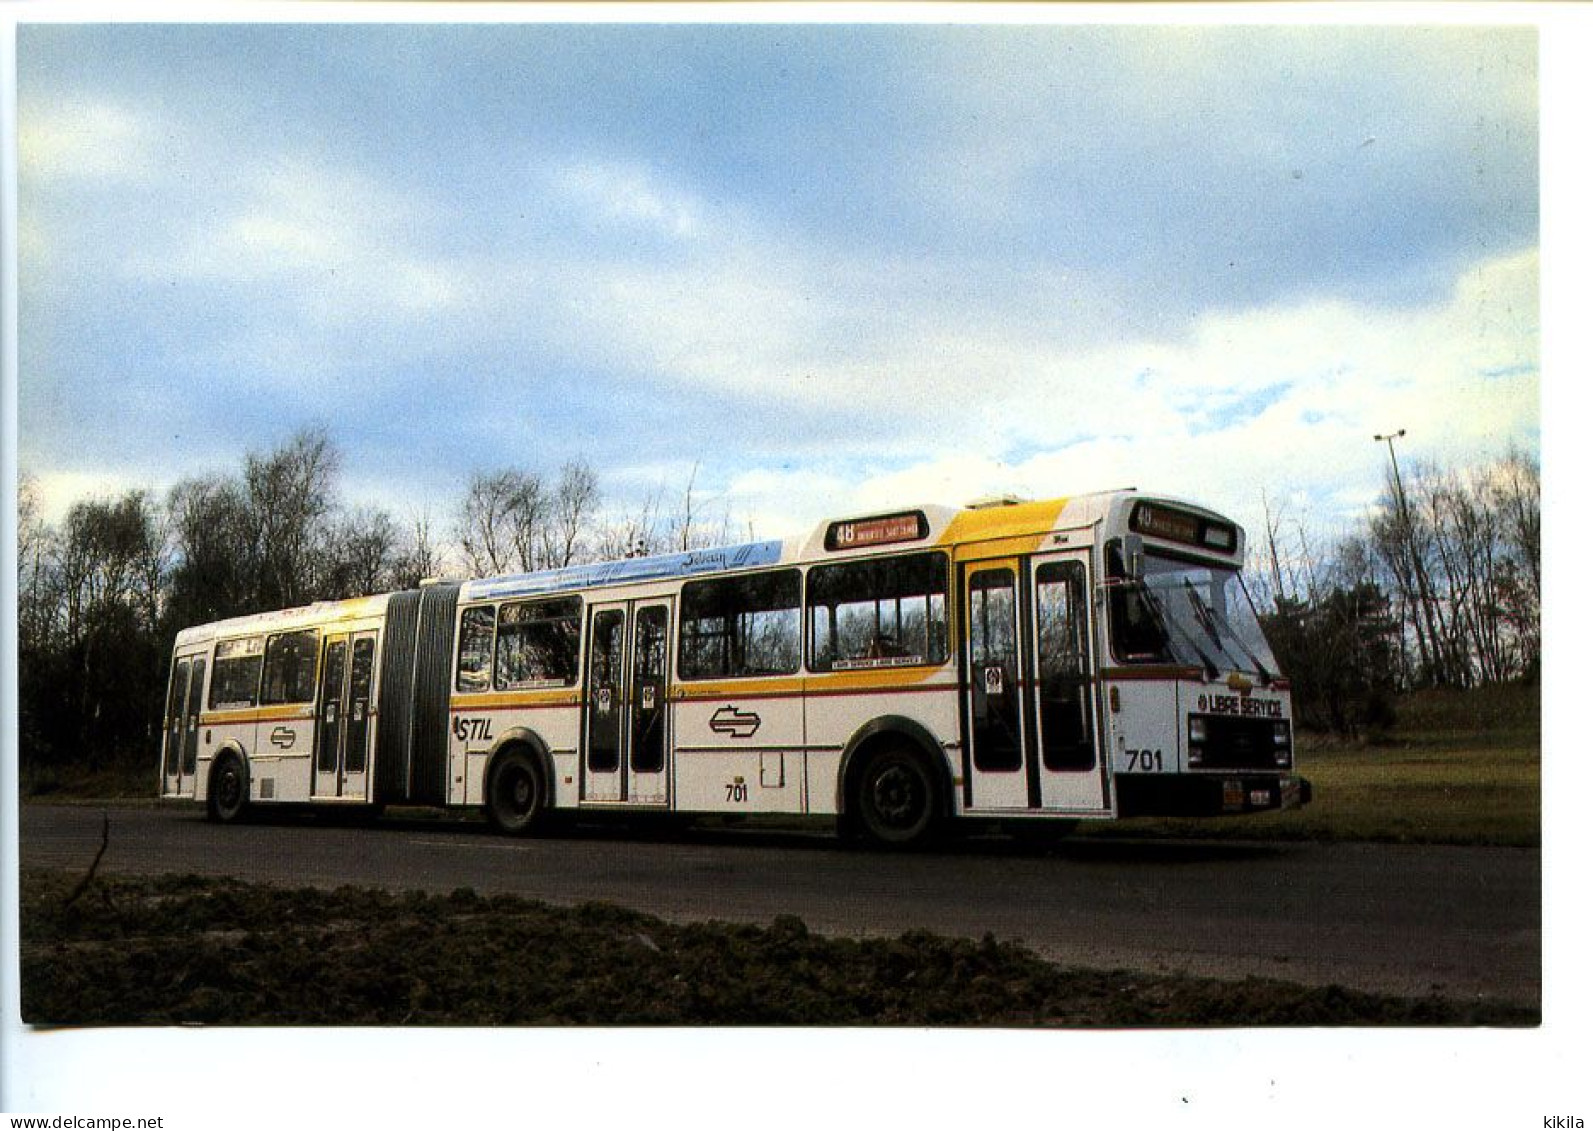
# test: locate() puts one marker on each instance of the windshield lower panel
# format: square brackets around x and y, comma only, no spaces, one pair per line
[1185,613]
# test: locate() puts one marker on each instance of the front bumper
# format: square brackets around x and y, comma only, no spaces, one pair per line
[1192,795]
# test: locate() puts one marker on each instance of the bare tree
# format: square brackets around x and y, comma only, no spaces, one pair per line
[1403,536]
[111,554]
[38,594]
[216,569]
[634,533]
[500,522]
[570,514]
[291,494]
[418,558]
[107,654]
[685,530]
[1514,502]
[362,555]
[1275,572]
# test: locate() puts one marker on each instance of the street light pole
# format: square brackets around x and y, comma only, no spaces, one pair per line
[1399,489]
[1418,571]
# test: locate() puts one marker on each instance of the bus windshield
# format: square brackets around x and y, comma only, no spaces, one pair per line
[1189,614]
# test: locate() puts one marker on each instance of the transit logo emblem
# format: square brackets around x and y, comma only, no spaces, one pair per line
[284,737]
[735,723]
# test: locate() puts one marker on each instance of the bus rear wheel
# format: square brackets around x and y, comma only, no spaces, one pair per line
[896,802]
[228,796]
[516,794]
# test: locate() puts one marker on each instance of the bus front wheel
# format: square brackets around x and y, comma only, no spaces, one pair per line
[516,794]
[228,796]
[895,800]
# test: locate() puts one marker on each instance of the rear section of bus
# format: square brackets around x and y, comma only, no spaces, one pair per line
[179,759]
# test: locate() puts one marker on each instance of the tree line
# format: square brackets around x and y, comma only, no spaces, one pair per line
[1440,585]
[102,595]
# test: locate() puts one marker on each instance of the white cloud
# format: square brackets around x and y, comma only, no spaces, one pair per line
[324,234]
[629,194]
[1461,377]
[59,490]
[83,141]
[919,362]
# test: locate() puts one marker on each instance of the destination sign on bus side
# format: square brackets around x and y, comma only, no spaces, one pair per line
[885,530]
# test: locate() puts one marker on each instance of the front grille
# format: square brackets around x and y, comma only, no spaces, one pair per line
[1238,744]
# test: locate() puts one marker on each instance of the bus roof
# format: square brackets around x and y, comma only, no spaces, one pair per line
[354,608]
[927,526]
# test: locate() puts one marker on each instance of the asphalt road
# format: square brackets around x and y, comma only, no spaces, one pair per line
[1408,919]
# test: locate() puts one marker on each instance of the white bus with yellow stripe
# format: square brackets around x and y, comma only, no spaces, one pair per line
[1093,657]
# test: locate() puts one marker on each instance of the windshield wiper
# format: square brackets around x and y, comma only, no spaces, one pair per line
[1203,614]
[1212,671]
[1207,616]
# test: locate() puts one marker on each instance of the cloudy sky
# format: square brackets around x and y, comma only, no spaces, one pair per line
[834,267]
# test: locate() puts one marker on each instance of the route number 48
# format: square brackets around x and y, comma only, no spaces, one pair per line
[1144,761]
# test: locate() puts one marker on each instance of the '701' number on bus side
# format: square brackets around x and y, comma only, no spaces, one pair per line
[1144,761]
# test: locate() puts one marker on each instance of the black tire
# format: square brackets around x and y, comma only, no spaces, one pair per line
[227,799]
[517,795]
[896,800]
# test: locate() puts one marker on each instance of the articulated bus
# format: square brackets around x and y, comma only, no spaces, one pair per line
[1094,657]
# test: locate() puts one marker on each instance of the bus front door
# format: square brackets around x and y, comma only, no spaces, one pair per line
[1029,687]
[343,718]
[626,745]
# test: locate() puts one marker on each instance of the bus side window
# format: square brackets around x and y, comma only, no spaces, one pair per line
[538,644]
[741,626]
[879,611]
[475,648]
[235,682]
[290,668]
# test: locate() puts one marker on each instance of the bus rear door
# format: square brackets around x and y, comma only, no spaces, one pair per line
[626,742]
[181,758]
[343,720]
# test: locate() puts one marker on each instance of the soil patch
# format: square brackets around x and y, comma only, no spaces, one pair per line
[185,949]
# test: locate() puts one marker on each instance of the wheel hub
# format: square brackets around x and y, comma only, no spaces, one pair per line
[896,796]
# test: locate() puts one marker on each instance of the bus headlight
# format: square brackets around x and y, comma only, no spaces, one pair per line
[1280,742]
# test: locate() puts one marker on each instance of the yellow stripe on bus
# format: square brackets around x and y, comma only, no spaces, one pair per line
[541,697]
[1021,520]
[277,712]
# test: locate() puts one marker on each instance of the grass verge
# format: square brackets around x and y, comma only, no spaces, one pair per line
[1435,790]
[1461,767]
[181,949]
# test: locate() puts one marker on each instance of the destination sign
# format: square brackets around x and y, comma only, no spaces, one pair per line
[1180,526]
[883,530]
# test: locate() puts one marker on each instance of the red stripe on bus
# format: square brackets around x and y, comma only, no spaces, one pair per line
[869,691]
[1160,672]
[212,721]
